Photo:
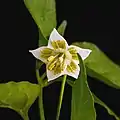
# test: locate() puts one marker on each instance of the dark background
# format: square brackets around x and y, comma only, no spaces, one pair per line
[97,22]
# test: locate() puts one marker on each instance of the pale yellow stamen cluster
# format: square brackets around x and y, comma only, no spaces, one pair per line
[58,62]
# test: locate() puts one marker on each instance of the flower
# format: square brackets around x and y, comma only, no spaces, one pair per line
[59,57]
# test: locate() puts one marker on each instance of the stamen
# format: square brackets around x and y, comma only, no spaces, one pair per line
[51,58]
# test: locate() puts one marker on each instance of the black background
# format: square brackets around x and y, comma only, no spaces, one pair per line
[97,22]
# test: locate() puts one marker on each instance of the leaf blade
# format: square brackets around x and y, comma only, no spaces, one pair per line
[18,96]
[44,14]
[62,27]
[82,107]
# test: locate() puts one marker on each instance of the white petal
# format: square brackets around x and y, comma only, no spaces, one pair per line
[51,76]
[38,53]
[74,74]
[84,53]
[55,36]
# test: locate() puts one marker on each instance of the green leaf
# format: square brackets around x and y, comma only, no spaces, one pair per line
[98,101]
[62,27]
[44,14]
[42,40]
[18,96]
[82,100]
[100,66]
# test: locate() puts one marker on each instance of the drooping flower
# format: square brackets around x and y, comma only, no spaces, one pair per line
[59,57]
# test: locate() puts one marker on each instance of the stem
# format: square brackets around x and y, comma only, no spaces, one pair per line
[24,115]
[61,97]
[43,76]
[42,117]
[38,77]
[40,101]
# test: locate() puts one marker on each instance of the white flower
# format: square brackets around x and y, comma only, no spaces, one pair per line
[60,59]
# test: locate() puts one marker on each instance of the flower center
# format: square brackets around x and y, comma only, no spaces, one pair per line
[59,61]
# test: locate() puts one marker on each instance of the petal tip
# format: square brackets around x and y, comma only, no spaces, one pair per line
[54,29]
[90,50]
[30,51]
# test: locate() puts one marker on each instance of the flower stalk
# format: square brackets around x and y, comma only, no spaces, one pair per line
[61,96]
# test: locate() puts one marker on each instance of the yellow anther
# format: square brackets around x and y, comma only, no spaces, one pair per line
[51,66]
[51,58]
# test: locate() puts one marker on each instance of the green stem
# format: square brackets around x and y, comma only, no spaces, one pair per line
[42,117]
[61,97]
[43,76]
[38,77]
[40,101]
[24,115]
